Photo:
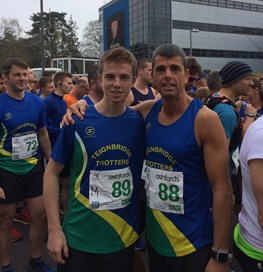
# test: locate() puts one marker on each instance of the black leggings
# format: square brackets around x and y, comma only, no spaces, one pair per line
[247,264]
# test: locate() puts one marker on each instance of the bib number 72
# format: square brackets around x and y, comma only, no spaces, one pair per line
[31,145]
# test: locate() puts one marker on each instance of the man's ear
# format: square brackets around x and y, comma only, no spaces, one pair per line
[139,71]
[100,78]
[4,76]
[187,74]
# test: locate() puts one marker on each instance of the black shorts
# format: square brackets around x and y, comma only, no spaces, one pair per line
[18,187]
[194,262]
[120,261]
[247,263]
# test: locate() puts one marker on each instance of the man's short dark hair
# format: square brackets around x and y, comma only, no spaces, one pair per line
[43,81]
[119,55]
[93,72]
[257,84]
[6,68]
[214,81]
[168,51]
[142,63]
[193,65]
[48,73]
[60,76]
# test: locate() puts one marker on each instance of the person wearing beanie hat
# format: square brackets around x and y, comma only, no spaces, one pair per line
[236,79]
[234,71]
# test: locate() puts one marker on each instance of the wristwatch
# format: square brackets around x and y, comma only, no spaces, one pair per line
[221,255]
[251,115]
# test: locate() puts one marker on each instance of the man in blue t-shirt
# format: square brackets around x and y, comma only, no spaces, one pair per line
[105,151]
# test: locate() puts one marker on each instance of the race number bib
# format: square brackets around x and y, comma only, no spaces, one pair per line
[164,190]
[110,190]
[24,147]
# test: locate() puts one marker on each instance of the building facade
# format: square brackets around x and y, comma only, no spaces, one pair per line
[213,31]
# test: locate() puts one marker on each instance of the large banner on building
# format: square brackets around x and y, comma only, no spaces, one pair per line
[116,30]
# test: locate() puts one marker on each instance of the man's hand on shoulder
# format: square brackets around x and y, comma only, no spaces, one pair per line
[78,109]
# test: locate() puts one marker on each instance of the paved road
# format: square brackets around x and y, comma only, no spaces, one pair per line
[20,251]
[20,255]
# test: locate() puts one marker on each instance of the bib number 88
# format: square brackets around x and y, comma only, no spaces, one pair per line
[121,188]
[170,192]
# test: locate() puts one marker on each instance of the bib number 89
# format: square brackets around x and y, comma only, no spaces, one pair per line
[121,188]
[170,192]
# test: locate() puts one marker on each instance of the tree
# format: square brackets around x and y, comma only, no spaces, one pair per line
[11,43]
[10,27]
[60,37]
[90,46]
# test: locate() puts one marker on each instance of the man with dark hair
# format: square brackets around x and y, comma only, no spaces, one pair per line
[80,89]
[106,152]
[46,86]
[254,104]
[236,79]
[214,82]
[96,90]
[56,107]
[194,69]
[142,91]
[22,130]
[183,175]
[187,186]
[32,80]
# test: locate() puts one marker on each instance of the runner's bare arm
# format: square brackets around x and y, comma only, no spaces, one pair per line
[130,98]
[56,238]
[44,142]
[144,107]
[211,137]
[78,109]
[2,193]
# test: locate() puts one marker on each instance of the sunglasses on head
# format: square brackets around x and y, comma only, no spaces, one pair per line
[193,79]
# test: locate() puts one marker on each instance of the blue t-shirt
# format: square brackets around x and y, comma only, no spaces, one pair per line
[56,107]
[100,144]
[19,118]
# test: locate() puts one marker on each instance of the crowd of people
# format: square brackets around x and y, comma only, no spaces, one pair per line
[157,155]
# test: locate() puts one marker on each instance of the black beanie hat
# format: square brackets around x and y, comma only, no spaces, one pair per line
[234,71]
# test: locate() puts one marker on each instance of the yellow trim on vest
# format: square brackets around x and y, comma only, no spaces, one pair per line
[180,244]
[126,232]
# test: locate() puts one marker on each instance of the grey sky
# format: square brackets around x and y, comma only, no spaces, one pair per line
[82,11]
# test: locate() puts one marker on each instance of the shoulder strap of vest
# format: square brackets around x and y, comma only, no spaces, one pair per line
[213,100]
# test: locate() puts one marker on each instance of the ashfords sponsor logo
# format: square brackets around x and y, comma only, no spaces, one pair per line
[167,178]
[119,176]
